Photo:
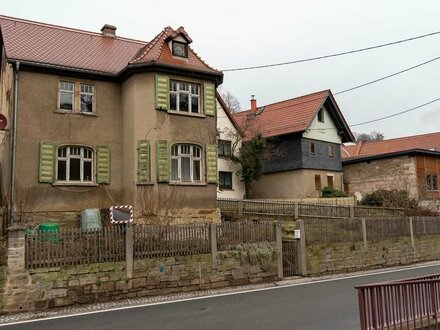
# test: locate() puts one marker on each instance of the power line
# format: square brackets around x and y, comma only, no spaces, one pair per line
[333,55]
[397,113]
[386,77]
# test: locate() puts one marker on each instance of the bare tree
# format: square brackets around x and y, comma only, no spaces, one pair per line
[231,101]
[373,136]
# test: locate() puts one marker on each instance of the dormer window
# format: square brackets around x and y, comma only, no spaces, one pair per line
[180,49]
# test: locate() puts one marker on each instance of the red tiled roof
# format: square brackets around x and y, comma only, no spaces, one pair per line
[68,48]
[361,149]
[289,116]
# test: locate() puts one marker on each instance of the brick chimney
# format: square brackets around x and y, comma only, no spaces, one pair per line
[253,104]
[108,30]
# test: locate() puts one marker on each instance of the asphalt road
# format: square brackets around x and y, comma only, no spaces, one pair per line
[328,304]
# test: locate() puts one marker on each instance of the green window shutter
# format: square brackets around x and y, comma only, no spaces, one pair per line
[47,162]
[103,164]
[162,157]
[162,92]
[144,162]
[211,163]
[209,99]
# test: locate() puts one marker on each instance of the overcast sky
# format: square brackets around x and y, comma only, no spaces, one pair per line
[230,34]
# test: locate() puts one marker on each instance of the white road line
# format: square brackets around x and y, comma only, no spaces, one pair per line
[406,268]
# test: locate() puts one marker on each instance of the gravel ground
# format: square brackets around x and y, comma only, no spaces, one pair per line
[126,303]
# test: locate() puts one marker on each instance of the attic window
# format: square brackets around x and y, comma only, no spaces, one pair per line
[321,115]
[180,49]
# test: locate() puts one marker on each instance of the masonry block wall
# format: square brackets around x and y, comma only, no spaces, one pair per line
[389,173]
[352,256]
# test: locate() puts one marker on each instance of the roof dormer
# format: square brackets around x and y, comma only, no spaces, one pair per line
[178,42]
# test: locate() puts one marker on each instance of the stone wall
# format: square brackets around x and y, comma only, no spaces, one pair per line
[24,289]
[352,256]
[389,173]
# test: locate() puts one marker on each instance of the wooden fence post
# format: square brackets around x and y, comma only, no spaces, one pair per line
[411,232]
[351,211]
[240,208]
[364,233]
[213,242]
[301,248]
[279,244]
[129,240]
[296,210]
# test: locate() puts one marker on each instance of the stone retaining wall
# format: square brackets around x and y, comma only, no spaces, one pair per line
[352,256]
[24,289]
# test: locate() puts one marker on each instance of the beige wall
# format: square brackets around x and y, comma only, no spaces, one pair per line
[38,121]
[293,184]
[151,124]
[326,131]
[389,173]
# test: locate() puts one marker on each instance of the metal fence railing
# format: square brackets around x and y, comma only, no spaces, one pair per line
[405,304]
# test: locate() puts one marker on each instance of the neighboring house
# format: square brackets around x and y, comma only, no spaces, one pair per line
[229,183]
[304,134]
[409,163]
[104,120]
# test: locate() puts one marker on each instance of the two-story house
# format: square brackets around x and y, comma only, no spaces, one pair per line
[95,120]
[305,134]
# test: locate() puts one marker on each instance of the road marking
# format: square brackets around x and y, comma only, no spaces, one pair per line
[401,269]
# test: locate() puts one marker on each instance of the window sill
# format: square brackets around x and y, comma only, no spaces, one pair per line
[75,184]
[87,114]
[226,189]
[186,114]
[145,184]
[196,184]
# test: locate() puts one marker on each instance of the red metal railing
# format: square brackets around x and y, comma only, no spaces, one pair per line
[406,304]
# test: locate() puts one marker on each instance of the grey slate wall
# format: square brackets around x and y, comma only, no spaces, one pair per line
[292,152]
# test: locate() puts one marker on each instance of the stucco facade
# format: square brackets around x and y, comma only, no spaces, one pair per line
[299,183]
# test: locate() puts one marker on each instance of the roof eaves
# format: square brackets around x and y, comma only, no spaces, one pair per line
[408,152]
[61,67]
[340,116]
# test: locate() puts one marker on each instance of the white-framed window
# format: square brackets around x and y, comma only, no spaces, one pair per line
[66,95]
[186,163]
[76,97]
[75,164]
[86,95]
[184,97]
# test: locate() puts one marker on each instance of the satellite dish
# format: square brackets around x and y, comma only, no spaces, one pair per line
[3,122]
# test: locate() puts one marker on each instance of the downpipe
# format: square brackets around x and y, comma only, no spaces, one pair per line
[13,146]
